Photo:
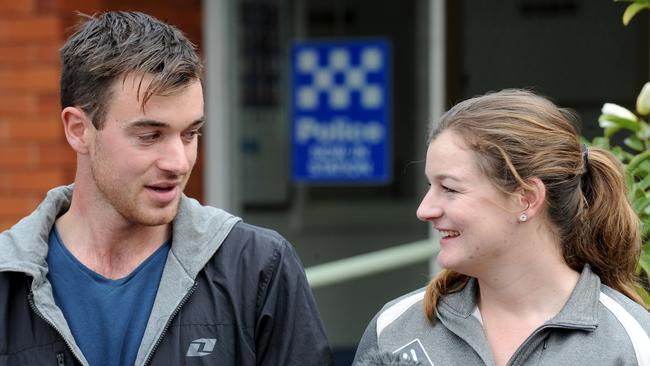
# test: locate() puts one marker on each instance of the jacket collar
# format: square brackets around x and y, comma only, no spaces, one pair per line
[580,310]
[198,231]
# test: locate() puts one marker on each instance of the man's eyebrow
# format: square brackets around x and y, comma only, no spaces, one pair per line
[147,123]
[199,122]
[153,123]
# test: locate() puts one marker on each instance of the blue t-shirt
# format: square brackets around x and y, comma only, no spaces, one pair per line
[107,317]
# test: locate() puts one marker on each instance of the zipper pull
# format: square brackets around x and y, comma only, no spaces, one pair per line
[60,359]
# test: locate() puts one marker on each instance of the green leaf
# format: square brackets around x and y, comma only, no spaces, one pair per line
[636,161]
[643,168]
[627,157]
[632,10]
[618,152]
[640,204]
[645,231]
[633,143]
[602,142]
[611,121]
[644,261]
[635,196]
[644,133]
[644,183]
[611,131]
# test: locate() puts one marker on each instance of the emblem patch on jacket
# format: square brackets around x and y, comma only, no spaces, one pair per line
[201,347]
[414,351]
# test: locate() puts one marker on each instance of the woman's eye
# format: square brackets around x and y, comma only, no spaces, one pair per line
[447,189]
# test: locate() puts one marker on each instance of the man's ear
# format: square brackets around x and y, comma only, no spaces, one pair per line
[78,129]
[532,199]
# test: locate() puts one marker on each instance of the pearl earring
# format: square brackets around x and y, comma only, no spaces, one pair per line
[523,217]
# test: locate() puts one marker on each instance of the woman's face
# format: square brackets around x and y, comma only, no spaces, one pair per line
[476,221]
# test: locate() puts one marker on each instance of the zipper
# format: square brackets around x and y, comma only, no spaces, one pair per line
[30,300]
[169,322]
[540,330]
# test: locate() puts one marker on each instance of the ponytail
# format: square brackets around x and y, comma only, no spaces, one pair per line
[611,239]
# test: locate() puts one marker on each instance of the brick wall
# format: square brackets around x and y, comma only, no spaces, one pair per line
[34,155]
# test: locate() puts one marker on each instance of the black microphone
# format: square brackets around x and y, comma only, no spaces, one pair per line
[376,358]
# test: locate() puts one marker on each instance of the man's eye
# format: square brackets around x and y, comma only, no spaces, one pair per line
[149,137]
[192,134]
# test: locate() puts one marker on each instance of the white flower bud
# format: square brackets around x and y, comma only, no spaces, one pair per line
[618,111]
[643,100]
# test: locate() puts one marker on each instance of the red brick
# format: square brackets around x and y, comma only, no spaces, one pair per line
[41,30]
[60,155]
[49,104]
[32,79]
[68,6]
[7,222]
[17,105]
[15,206]
[34,181]
[29,54]
[16,7]
[28,130]
[17,156]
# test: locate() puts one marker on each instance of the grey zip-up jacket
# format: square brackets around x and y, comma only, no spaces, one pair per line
[597,326]
[230,294]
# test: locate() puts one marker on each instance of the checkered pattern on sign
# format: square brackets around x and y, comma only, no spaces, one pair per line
[339,78]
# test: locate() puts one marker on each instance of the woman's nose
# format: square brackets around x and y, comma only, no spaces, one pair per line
[429,209]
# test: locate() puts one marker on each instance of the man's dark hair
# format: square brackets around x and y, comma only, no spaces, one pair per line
[114,45]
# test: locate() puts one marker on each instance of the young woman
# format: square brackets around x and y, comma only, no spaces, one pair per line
[538,242]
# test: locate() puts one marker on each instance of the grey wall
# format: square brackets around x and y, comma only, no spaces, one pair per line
[576,51]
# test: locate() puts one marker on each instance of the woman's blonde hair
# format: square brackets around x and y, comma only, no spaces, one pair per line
[518,135]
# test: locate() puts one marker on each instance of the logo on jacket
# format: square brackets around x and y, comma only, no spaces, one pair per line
[413,351]
[201,347]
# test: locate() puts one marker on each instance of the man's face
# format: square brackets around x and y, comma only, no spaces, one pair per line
[141,160]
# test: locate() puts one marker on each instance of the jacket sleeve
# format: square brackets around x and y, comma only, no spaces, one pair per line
[289,330]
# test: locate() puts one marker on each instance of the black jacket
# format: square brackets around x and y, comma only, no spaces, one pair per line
[230,294]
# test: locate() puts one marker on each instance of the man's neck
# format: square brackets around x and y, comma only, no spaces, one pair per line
[110,246]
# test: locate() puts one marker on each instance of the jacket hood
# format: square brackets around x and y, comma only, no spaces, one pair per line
[198,231]
[23,248]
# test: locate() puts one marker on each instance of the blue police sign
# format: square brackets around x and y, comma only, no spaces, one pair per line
[340,112]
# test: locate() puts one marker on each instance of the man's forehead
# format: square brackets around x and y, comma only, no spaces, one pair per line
[136,87]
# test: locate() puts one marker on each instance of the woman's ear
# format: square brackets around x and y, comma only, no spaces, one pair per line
[532,199]
[78,128]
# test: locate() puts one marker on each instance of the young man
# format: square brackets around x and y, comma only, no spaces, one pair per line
[121,268]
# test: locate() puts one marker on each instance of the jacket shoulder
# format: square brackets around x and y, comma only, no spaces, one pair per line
[623,307]
[398,308]
[249,247]
[258,235]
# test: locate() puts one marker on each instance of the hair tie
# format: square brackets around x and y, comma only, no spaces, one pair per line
[585,157]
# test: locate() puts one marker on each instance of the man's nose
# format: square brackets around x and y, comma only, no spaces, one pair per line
[175,157]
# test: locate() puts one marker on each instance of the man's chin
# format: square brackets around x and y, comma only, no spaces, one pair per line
[156,216]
